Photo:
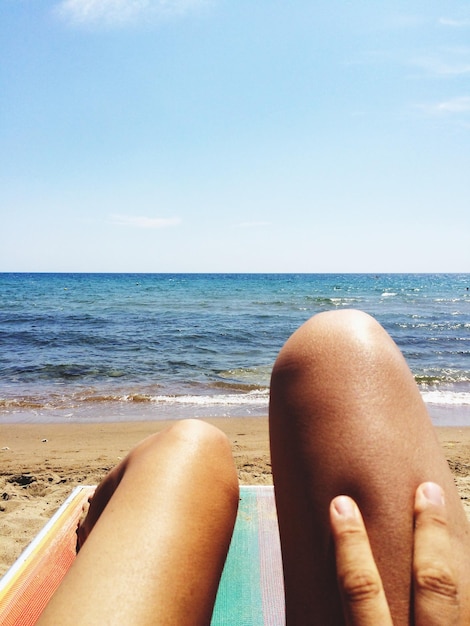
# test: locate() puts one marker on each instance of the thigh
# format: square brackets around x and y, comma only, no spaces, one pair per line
[162,525]
[346,417]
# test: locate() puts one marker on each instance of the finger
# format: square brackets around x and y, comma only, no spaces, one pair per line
[359,581]
[435,583]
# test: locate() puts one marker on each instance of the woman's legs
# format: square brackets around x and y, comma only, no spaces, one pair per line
[161,526]
[347,418]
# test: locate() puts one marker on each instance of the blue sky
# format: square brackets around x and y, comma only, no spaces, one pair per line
[235,136]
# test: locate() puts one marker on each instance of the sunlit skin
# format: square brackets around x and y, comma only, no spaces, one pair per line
[372,528]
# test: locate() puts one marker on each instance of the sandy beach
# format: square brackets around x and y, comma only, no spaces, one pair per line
[42,463]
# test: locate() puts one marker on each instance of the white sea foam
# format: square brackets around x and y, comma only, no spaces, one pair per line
[455,398]
[254,398]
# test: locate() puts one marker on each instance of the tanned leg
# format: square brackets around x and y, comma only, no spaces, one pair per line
[157,535]
[346,417]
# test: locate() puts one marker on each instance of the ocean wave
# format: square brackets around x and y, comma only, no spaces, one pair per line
[244,378]
[20,403]
[333,300]
[441,377]
[60,372]
[236,386]
[252,397]
[455,398]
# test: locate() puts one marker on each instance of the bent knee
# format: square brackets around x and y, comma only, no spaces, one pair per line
[348,326]
[334,354]
[330,335]
[198,433]
[191,442]
[209,447]
[190,434]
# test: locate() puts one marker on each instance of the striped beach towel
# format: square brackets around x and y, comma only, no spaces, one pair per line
[250,591]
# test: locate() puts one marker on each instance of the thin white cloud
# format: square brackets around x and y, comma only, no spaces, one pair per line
[442,68]
[447,62]
[445,21]
[115,13]
[140,221]
[454,106]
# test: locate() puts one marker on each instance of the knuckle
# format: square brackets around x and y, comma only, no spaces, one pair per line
[360,585]
[432,519]
[437,580]
[352,534]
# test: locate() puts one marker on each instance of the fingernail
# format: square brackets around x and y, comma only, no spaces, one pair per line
[433,493]
[345,507]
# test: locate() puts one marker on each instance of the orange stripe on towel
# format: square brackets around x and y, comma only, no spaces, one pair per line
[29,584]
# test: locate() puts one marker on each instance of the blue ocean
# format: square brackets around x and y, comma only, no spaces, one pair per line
[118,347]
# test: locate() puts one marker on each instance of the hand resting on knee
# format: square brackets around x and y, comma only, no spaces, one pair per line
[435,585]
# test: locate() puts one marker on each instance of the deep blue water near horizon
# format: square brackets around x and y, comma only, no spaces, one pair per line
[93,347]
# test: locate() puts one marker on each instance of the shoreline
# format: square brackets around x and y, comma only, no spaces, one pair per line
[135,411]
[43,462]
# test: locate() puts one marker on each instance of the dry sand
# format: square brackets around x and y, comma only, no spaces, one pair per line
[42,463]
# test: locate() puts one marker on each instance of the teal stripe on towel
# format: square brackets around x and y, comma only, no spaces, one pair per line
[239,600]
